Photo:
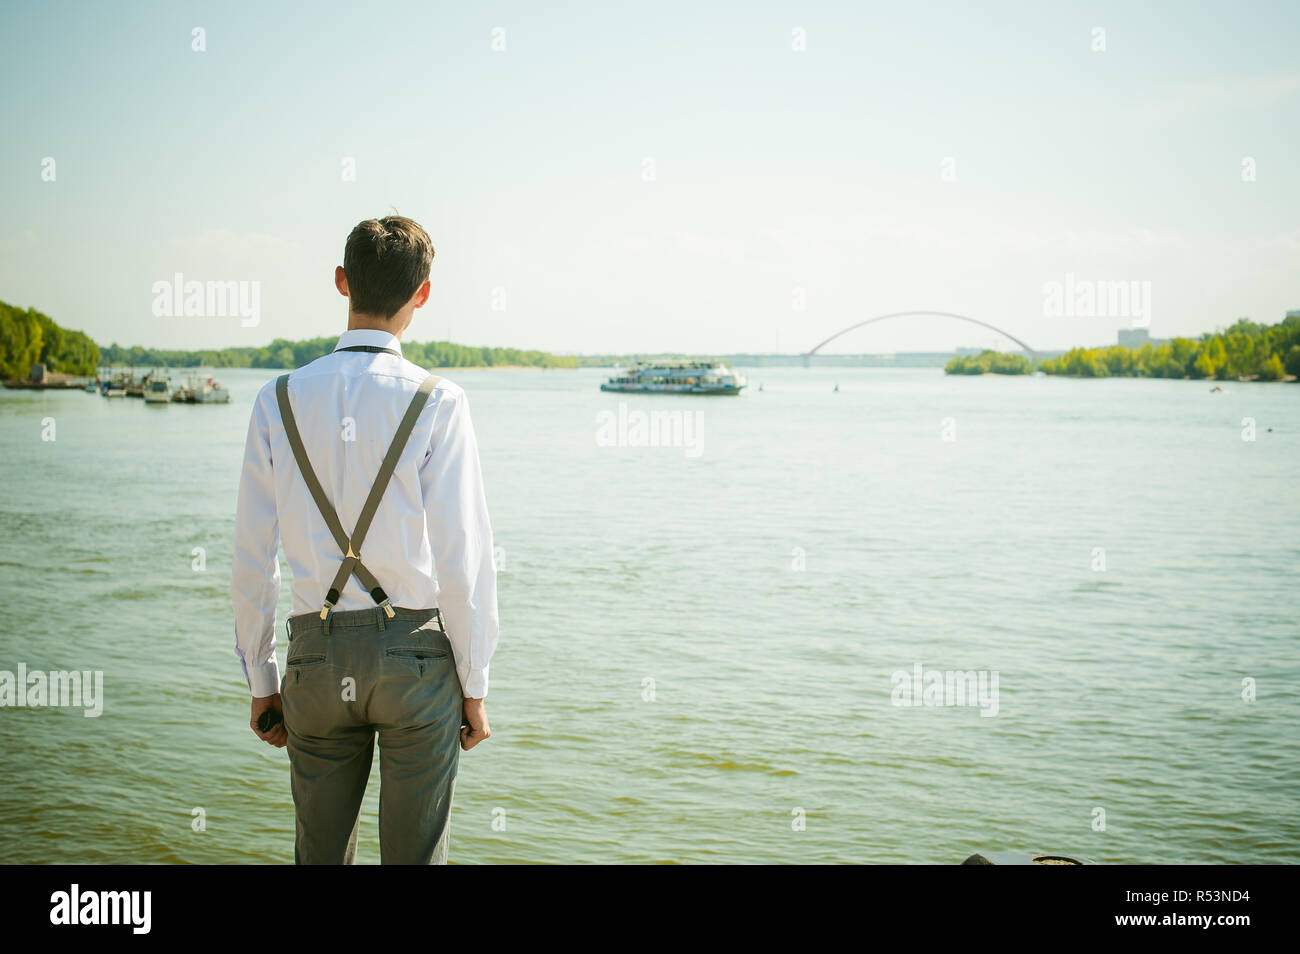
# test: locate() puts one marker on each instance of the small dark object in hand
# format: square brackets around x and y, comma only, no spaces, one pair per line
[268,720]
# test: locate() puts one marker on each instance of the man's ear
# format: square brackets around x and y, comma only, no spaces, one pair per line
[422,294]
[341,281]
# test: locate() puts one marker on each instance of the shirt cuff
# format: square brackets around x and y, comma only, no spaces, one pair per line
[474,684]
[264,680]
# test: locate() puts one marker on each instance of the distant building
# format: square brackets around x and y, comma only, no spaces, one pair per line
[1137,337]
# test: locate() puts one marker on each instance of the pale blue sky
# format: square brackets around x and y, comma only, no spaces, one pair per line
[775,169]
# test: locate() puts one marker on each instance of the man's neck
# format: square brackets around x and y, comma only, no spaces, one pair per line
[394,326]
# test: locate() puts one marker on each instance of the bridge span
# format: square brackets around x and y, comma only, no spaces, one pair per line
[808,355]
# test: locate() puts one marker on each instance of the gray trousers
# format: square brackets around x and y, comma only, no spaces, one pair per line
[345,680]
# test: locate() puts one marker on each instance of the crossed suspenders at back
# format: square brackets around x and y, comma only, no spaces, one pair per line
[350,547]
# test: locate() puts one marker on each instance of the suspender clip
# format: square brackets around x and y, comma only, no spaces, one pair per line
[380,597]
[331,598]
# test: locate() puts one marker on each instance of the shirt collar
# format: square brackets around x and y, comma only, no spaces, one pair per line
[368,336]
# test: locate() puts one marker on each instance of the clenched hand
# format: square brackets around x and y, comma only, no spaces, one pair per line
[277,736]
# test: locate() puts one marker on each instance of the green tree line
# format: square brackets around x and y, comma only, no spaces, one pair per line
[989,362]
[282,353]
[28,337]
[1245,350]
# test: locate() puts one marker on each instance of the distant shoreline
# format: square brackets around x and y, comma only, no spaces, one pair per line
[1245,351]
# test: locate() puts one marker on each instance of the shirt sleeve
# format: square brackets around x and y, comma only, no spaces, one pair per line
[255,576]
[460,534]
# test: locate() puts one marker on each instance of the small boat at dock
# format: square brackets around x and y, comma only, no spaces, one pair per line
[158,390]
[124,384]
[201,389]
[114,386]
[135,387]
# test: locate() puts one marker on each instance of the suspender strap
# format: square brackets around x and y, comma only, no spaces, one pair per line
[304,465]
[351,547]
[352,557]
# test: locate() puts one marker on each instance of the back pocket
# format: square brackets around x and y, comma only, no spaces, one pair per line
[304,659]
[416,658]
[416,652]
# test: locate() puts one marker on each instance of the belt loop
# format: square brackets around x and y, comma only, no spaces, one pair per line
[325,624]
[379,618]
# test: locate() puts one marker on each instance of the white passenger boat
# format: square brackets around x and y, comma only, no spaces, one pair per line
[693,377]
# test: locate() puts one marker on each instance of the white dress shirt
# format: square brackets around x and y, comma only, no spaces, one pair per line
[348,405]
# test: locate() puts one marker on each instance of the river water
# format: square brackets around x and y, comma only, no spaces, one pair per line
[705,644]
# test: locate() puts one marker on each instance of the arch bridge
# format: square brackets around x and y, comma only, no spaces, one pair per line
[808,355]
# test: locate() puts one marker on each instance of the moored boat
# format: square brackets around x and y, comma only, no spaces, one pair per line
[158,391]
[114,386]
[135,387]
[201,389]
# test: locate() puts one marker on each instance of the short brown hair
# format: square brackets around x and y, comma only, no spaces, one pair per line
[385,261]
